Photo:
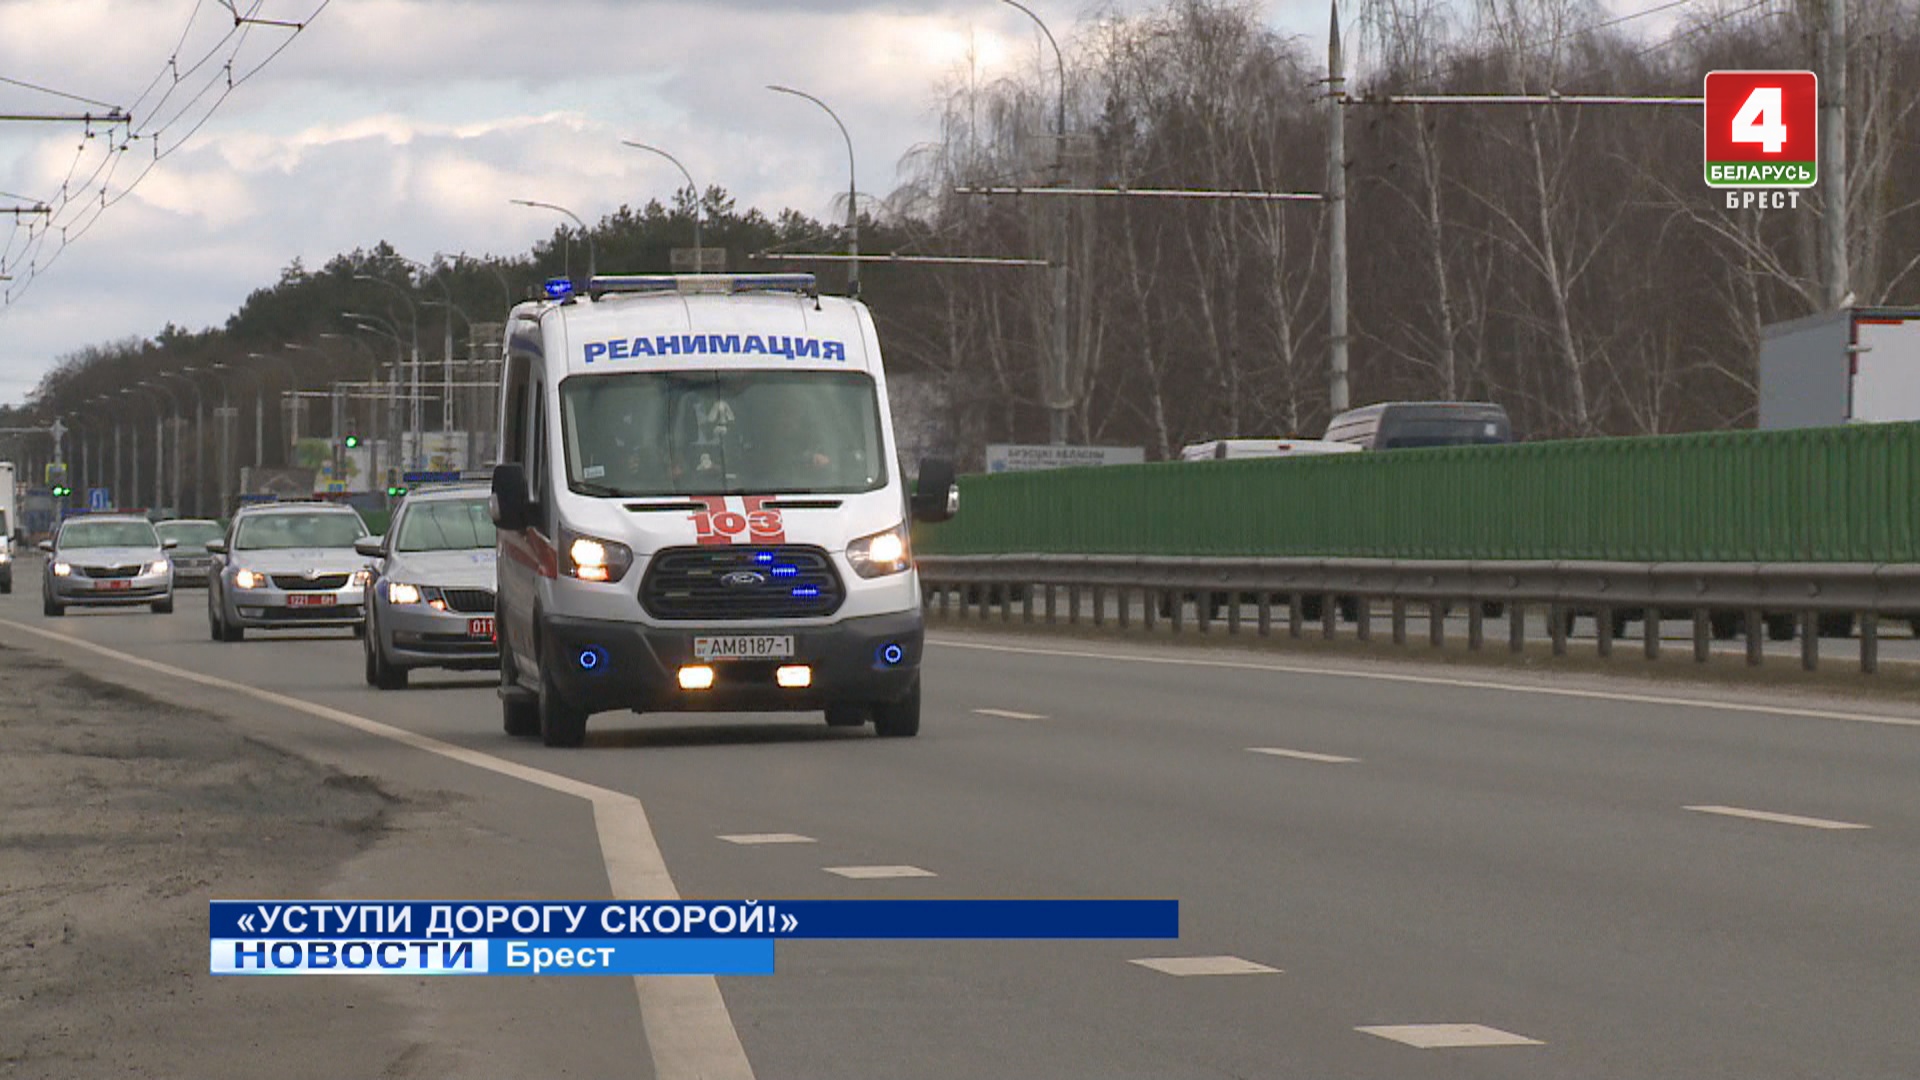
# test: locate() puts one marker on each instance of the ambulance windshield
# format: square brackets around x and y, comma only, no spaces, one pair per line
[723,432]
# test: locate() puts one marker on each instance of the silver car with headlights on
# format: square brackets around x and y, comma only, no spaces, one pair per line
[430,603]
[192,562]
[106,559]
[286,565]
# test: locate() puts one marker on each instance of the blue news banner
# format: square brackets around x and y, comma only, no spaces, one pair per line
[628,937]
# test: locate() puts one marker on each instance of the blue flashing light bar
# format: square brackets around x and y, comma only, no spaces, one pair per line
[559,288]
[786,571]
[763,557]
[806,592]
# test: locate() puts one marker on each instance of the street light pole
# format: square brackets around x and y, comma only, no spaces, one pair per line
[374,324]
[853,191]
[185,375]
[1059,390]
[160,447]
[698,202]
[1337,397]
[373,382]
[593,259]
[413,405]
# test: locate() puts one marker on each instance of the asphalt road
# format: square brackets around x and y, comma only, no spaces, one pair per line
[1390,844]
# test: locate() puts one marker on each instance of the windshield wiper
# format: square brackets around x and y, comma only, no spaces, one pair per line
[605,491]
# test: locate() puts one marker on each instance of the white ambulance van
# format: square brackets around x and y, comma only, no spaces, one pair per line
[700,508]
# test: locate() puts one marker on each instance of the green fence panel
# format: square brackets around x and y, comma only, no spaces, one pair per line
[1816,495]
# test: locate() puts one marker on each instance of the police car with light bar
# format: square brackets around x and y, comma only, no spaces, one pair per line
[700,507]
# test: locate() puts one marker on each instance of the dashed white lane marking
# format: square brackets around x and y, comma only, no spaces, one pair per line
[689,1031]
[1436,680]
[1778,819]
[864,873]
[1205,965]
[1007,714]
[1444,1036]
[768,838]
[1302,755]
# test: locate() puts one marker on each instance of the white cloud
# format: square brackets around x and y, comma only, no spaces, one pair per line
[414,121]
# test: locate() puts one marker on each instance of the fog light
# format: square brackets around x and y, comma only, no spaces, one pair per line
[592,658]
[696,678]
[892,654]
[794,676]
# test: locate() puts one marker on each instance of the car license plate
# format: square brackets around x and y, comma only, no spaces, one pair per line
[310,600]
[115,586]
[744,647]
[480,628]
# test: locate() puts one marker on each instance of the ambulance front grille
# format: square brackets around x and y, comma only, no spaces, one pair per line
[741,582]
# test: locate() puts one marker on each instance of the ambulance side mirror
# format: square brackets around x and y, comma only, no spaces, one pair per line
[936,497]
[511,505]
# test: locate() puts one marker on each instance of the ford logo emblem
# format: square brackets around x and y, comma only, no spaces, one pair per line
[743,579]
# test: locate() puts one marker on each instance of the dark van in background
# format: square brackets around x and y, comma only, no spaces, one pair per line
[1402,425]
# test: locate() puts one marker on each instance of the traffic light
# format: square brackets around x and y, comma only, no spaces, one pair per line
[396,491]
[61,491]
[352,441]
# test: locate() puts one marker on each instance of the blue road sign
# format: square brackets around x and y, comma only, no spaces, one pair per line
[99,499]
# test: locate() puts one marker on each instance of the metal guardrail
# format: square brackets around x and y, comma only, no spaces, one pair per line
[1302,590]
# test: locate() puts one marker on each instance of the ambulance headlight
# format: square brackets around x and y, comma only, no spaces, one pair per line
[399,592]
[881,554]
[247,579]
[61,569]
[158,566]
[589,558]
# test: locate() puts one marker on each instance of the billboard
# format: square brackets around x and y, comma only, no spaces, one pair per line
[1002,457]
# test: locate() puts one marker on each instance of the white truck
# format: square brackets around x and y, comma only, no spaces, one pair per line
[1852,366]
[9,524]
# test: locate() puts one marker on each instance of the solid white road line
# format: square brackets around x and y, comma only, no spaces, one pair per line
[864,873]
[689,1031]
[1778,819]
[1445,1036]
[1008,715]
[1204,965]
[1302,755]
[768,838]
[1437,680]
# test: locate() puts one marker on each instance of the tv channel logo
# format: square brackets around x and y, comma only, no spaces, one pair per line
[1762,130]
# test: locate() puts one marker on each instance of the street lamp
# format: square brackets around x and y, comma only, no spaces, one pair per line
[853,214]
[1060,407]
[1060,116]
[413,403]
[698,202]
[593,261]
[222,412]
[294,419]
[160,447]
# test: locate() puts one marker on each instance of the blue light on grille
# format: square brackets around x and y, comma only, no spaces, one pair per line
[763,557]
[806,592]
[786,571]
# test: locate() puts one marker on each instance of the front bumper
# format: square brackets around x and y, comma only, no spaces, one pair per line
[269,607]
[637,666]
[415,635]
[142,589]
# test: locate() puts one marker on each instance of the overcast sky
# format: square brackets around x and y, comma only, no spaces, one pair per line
[414,121]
